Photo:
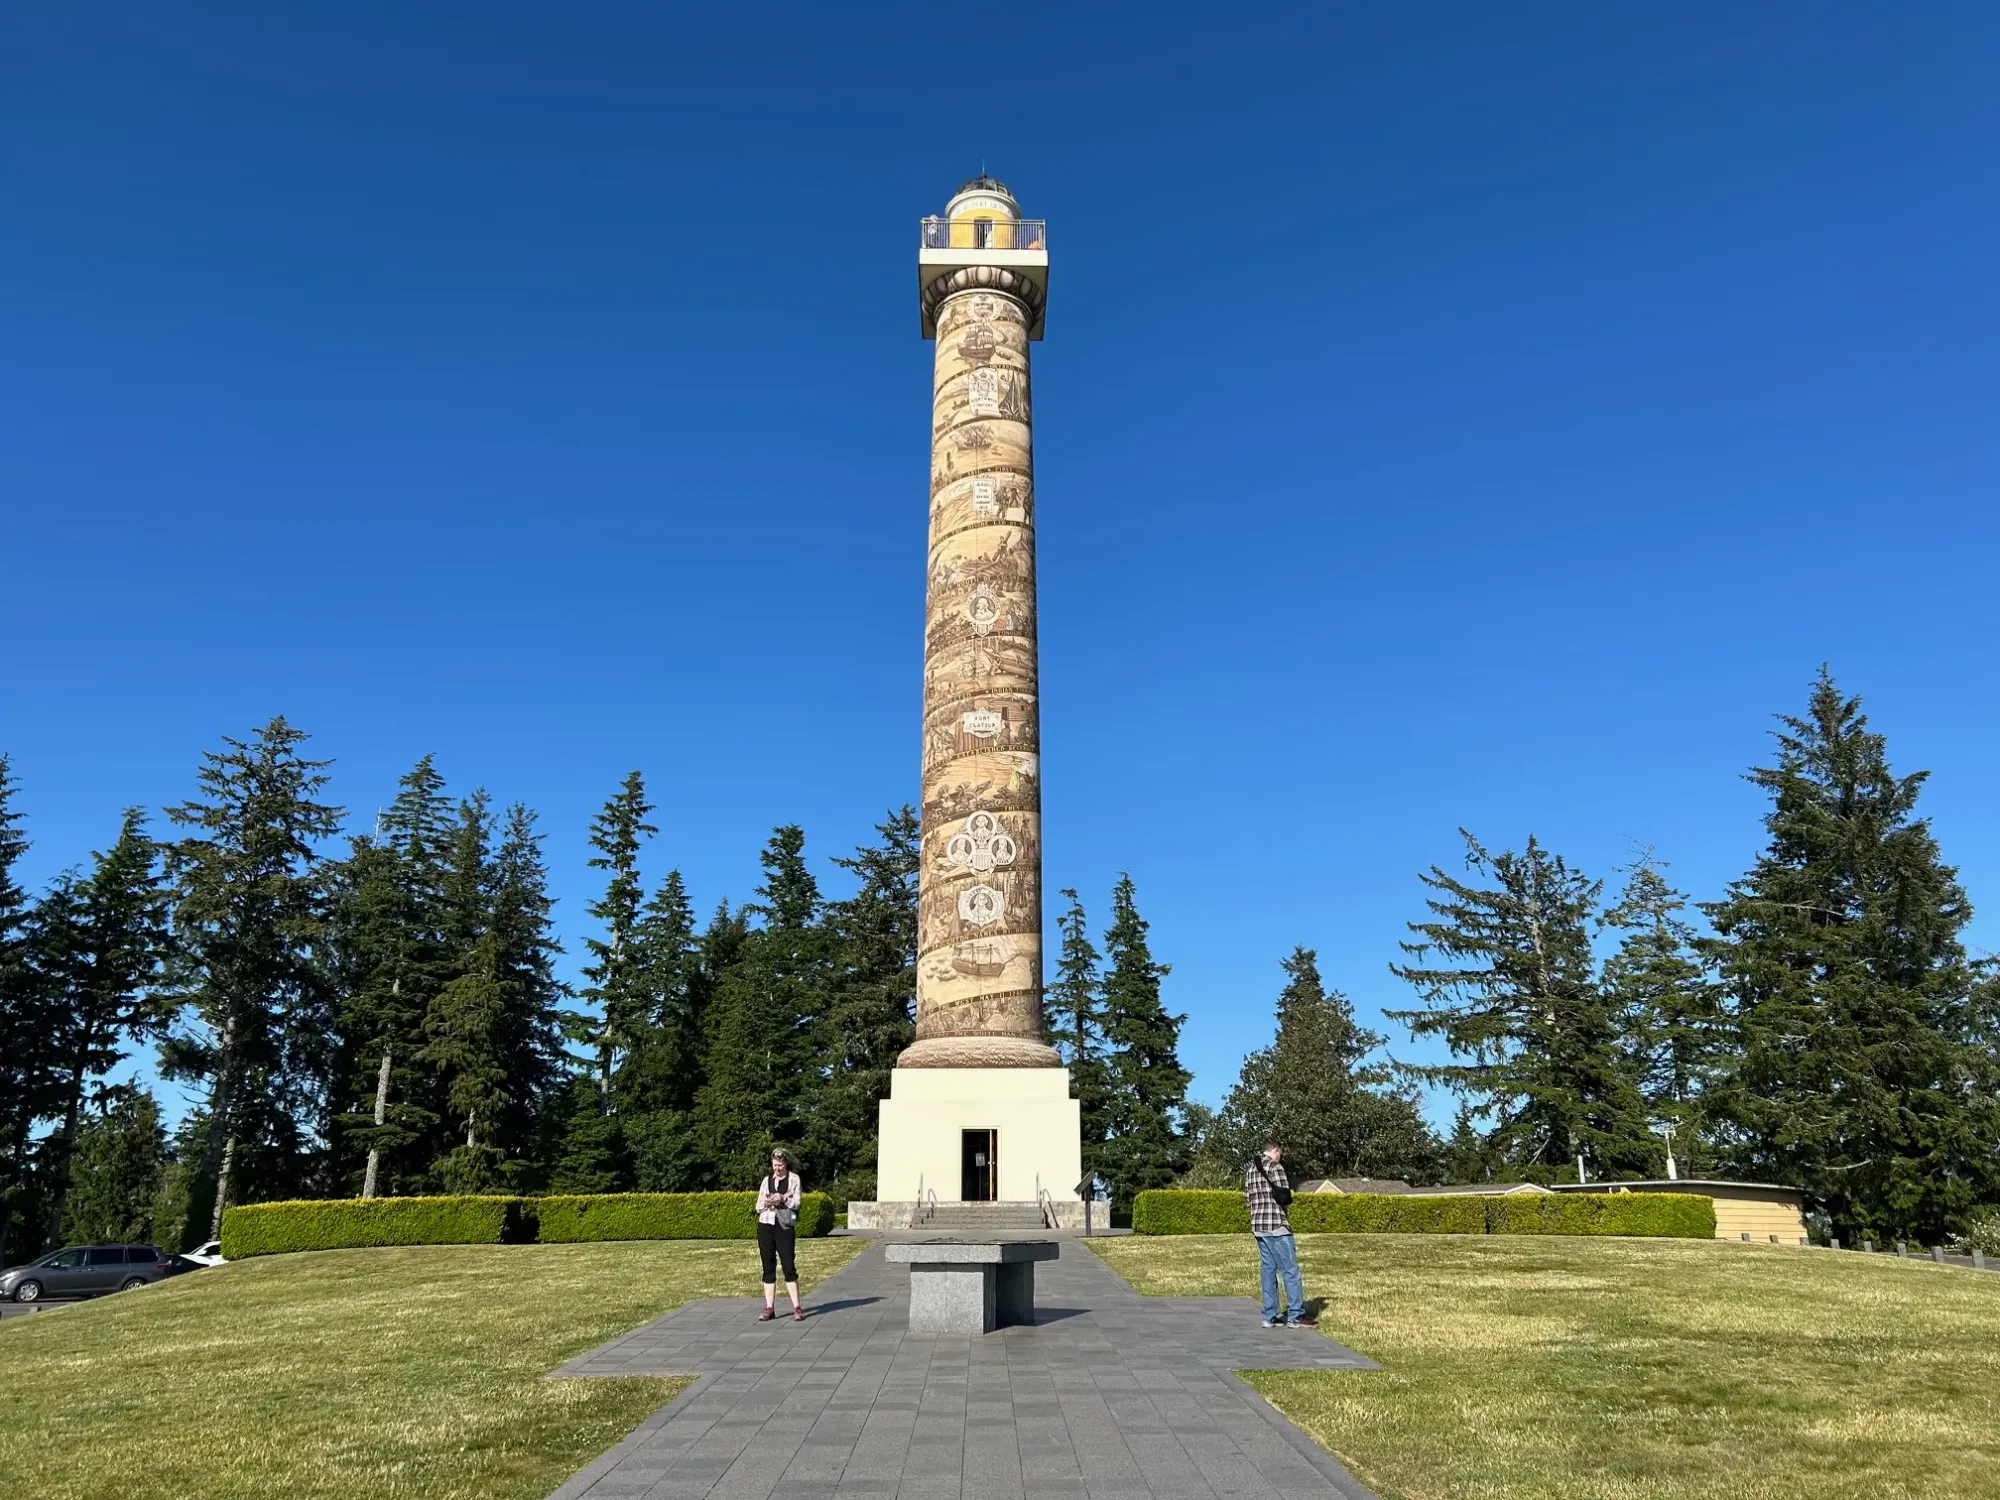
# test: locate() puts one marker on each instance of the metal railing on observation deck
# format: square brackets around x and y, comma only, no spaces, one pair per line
[983,234]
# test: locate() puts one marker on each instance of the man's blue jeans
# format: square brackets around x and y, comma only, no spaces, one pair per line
[1278,1256]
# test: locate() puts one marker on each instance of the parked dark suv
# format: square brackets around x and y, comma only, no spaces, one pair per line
[90,1271]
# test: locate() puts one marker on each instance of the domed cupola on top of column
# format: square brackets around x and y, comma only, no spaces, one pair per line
[981,238]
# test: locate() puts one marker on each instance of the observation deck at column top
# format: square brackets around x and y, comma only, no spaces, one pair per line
[982,226]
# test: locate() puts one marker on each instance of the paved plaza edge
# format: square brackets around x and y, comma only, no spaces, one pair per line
[1108,1396]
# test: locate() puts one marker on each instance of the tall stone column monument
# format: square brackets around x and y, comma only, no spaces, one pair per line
[979,1107]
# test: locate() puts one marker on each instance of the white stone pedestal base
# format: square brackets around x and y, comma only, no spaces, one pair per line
[1038,1133]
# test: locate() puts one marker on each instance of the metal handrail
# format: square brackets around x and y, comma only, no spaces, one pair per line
[1047,1203]
[937,233]
[926,1204]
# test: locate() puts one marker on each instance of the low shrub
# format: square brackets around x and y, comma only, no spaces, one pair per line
[355,1223]
[1189,1211]
[1981,1233]
[1388,1213]
[667,1216]
[1672,1215]
[1685,1216]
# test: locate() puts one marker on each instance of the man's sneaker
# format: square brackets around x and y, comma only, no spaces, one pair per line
[1307,1322]
[1273,1323]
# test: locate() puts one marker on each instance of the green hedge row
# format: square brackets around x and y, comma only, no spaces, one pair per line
[1679,1216]
[1389,1213]
[1190,1211]
[347,1223]
[1668,1215]
[357,1223]
[668,1216]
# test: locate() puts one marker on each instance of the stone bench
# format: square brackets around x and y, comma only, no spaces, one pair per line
[970,1286]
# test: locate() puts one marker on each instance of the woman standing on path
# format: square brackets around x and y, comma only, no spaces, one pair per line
[777,1238]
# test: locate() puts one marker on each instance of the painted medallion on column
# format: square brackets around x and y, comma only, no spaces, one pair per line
[980,846]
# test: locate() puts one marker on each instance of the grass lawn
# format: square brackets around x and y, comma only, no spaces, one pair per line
[357,1374]
[1612,1369]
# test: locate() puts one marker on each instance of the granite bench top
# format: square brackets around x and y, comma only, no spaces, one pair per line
[969,1252]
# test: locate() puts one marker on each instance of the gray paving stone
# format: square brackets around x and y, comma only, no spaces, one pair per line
[1107,1396]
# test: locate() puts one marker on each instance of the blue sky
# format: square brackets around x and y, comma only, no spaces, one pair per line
[1450,415]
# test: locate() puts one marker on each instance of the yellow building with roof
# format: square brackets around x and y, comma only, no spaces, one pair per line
[1762,1211]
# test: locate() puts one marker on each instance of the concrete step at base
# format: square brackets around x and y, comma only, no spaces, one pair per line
[984,1216]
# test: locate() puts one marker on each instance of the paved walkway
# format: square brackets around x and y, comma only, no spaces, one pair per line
[1110,1396]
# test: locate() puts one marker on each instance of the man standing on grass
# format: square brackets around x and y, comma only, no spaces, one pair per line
[1269,1193]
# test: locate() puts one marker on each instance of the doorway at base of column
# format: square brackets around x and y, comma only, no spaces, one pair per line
[979,1165]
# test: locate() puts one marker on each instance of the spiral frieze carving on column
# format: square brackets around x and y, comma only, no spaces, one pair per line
[979,905]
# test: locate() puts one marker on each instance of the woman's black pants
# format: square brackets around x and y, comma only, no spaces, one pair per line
[773,1242]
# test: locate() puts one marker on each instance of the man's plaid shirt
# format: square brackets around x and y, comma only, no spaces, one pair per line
[1265,1215]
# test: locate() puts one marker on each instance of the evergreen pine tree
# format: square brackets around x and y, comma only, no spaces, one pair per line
[465,1021]
[1542,1044]
[666,1151]
[620,974]
[759,1057]
[665,1067]
[390,951]
[176,1224]
[593,1155]
[466,1025]
[622,1035]
[1075,1005]
[790,902]
[98,942]
[249,923]
[369,931]
[717,952]
[1667,1004]
[119,1172]
[531,1028]
[467,906]
[1467,1157]
[494,1032]
[1866,1071]
[869,1016]
[660,1074]
[30,1080]
[1200,1125]
[1313,1090]
[1145,1144]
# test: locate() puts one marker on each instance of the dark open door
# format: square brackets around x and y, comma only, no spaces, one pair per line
[979,1169]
